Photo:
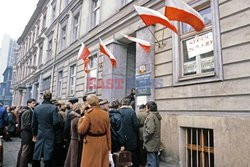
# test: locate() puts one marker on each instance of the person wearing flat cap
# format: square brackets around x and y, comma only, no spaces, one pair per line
[104,104]
[72,102]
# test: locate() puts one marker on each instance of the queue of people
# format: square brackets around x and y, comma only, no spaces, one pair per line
[85,134]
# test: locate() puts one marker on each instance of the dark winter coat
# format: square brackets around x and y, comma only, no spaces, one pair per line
[59,131]
[152,132]
[3,117]
[66,131]
[130,127]
[26,130]
[73,158]
[45,122]
[115,125]
[11,122]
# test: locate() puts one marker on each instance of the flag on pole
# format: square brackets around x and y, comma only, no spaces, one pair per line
[150,17]
[104,50]
[144,44]
[180,11]
[83,54]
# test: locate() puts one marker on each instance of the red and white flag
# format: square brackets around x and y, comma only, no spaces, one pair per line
[83,54]
[144,44]
[104,50]
[180,11]
[150,17]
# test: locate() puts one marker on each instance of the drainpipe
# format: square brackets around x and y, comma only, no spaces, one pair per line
[54,59]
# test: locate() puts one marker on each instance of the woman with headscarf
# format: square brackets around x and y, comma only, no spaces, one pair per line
[73,158]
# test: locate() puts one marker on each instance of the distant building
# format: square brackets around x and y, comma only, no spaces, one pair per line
[203,97]
[5,87]
[7,57]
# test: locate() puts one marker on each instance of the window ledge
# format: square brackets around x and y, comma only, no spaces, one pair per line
[197,76]
[198,79]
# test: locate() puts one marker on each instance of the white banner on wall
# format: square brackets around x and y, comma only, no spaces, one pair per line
[200,45]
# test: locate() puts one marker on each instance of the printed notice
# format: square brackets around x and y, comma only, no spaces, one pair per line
[200,45]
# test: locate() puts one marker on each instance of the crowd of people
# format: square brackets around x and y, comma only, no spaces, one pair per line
[83,134]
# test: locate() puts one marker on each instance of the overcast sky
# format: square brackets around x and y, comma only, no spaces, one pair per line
[14,15]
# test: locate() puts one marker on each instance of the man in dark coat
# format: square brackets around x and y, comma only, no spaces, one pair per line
[66,132]
[27,145]
[129,129]
[3,119]
[45,122]
[115,126]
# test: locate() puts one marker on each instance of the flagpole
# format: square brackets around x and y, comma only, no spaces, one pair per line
[155,37]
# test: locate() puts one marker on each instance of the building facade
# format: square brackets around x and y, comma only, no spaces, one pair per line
[7,56]
[200,81]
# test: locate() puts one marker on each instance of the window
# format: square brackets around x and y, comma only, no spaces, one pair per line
[40,58]
[95,12]
[46,83]
[76,27]
[196,58]
[63,37]
[36,94]
[44,20]
[37,29]
[34,61]
[199,147]
[125,2]
[72,80]
[53,14]
[92,75]
[49,47]
[59,83]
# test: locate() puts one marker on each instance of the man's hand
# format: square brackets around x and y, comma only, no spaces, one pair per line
[34,139]
[122,148]
[111,162]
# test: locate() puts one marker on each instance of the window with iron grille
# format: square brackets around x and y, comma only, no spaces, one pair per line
[199,147]
[197,55]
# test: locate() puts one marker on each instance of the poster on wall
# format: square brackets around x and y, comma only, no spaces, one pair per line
[200,45]
[143,85]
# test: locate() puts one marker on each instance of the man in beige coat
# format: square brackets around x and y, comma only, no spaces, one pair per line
[95,125]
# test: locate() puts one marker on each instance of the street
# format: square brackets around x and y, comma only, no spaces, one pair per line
[10,150]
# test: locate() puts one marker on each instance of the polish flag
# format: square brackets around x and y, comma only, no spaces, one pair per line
[144,44]
[151,17]
[104,50]
[180,11]
[83,54]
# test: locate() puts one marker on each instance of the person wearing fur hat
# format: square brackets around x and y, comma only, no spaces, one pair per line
[95,125]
